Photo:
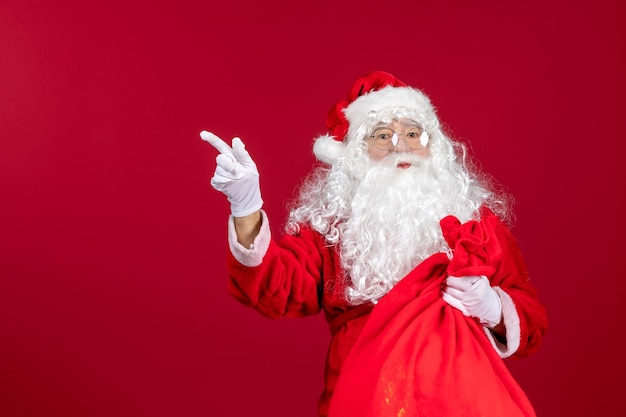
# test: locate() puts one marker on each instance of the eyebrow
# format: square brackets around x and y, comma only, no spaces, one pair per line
[408,123]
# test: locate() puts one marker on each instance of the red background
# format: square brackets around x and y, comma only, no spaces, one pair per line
[113,294]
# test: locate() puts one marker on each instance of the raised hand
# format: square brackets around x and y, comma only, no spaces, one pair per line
[236,175]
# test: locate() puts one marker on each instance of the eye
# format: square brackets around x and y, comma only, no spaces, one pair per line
[413,134]
[383,134]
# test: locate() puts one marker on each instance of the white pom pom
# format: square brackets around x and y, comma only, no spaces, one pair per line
[327,149]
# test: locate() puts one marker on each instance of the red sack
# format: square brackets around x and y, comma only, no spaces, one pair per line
[419,356]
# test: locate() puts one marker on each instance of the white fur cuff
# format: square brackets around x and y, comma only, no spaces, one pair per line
[252,256]
[512,325]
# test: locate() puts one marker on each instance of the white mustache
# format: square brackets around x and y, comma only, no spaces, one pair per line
[392,161]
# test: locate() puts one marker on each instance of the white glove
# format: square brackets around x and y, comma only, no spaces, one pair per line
[474,296]
[236,175]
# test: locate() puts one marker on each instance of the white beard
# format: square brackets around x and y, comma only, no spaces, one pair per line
[394,223]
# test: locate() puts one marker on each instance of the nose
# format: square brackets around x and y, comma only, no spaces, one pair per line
[399,145]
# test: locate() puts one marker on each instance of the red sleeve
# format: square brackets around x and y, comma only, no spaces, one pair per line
[288,283]
[512,276]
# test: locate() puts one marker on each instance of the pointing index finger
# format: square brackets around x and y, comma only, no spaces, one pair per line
[216,142]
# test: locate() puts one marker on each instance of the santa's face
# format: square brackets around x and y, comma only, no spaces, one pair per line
[396,138]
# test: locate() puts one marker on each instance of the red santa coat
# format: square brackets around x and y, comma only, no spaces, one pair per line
[412,354]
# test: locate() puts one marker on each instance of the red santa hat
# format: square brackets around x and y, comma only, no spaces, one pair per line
[374,93]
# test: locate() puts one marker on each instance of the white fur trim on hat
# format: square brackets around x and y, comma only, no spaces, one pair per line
[327,149]
[388,98]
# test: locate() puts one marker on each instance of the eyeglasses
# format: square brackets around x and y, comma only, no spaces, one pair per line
[386,139]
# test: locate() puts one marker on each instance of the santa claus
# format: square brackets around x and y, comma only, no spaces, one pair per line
[404,246]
